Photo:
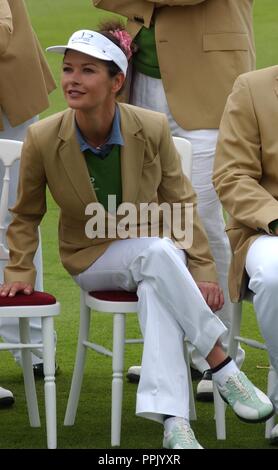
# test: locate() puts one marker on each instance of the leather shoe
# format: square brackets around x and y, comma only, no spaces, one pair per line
[205,387]
[6,398]
[133,374]
[38,370]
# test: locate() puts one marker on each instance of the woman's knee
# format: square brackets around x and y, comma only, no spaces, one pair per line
[265,278]
[163,246]
[163,254]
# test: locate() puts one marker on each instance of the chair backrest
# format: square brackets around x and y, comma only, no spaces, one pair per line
[10,151]
[184,149]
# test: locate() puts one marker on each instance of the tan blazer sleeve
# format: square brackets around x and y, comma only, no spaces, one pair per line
[176,188]
[6,25]
[22,234]
[238,164]
[135,10]
[140,10]
[177,3]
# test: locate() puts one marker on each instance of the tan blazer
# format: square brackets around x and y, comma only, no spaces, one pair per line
[25,78]
[202,46]
[246,165]
[151,172]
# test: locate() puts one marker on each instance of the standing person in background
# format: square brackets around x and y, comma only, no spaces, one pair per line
[189,54]
[25,82]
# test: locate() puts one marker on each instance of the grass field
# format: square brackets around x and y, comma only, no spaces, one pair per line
[54,21]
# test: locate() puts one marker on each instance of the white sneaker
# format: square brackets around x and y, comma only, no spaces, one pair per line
[274,435]
[6,398]
[181,436]
[248,402]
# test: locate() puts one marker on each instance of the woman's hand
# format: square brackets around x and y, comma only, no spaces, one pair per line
[212,294]
[10,289]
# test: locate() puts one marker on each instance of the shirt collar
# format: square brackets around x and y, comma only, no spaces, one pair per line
[115,138]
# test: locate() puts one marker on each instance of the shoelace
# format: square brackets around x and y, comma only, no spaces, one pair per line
[238,386]
[184,434]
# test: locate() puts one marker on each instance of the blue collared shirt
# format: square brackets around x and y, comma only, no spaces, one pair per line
[115,138]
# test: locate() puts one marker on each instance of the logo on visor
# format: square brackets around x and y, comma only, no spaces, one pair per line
[84,37]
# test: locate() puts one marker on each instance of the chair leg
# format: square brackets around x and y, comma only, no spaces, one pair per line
[117,377]
[29,381]
[219,405]
[49,381]
[235,329]
[219,414]
[272,380]
[77,377]
[192,408]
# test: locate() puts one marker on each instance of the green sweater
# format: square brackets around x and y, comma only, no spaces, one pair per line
[145,60]
[105,175]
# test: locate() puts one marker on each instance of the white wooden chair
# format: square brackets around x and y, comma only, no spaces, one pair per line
[24,307]
[119,303]
[234,340]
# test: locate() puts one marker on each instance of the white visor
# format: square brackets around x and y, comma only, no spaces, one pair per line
[95,45]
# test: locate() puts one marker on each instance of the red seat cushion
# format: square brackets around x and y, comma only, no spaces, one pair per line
[115,295]
[21,300]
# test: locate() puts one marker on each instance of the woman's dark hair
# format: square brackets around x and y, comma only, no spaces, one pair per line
[106,29]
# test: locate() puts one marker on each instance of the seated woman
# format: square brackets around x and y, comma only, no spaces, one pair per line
[246,180]
[98,151]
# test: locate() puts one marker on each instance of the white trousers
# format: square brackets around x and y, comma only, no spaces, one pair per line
[170,306]
[148,92]
[262,268]
[9,326]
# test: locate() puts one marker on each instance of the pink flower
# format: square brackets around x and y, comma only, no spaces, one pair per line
[125,40]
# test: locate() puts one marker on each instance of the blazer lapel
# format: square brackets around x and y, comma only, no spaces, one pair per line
[74,161]
[132,155]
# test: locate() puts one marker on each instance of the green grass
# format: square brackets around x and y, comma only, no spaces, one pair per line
[266,32]
[54,21]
